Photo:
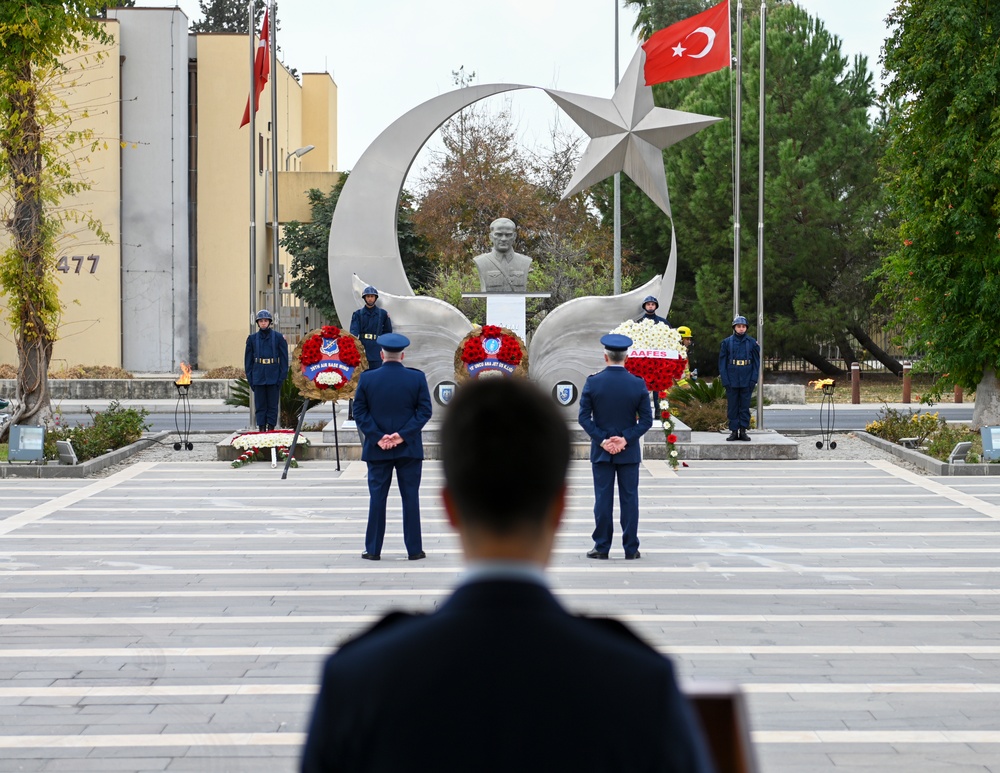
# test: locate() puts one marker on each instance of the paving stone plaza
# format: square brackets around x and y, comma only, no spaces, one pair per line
[173,616]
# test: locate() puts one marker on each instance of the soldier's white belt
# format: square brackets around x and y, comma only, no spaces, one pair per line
[739,362]
[369,336]
[265,362]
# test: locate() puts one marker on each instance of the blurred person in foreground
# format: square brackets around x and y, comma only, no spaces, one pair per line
[501,677]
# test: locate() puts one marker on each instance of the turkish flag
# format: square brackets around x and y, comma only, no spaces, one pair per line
[695,46]
[261,68]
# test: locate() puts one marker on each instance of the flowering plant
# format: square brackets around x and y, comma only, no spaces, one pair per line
[490,350]
[327,364]
[254,444]
[668,429]
[657,355]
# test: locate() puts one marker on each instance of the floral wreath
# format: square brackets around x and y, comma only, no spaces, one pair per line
[255,444]
[327,363]
[650,357]
[490,350]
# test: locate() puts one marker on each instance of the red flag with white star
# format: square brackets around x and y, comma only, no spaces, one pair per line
[694,46]
[261,68]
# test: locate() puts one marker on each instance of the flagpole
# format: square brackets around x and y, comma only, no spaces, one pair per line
[272,42]
[760,224]
[253,188]
[736,160]
[618,191]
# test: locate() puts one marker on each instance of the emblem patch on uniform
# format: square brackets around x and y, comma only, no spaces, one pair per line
[565,393]
[444,392]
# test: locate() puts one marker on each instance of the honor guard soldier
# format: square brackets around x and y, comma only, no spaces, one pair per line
[615,412]
[265,362]
[368,323]
[391,407]
[649,307]
[739,364]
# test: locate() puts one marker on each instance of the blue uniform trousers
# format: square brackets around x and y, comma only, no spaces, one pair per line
[265,404]
[738,407]
[604,505]
[408,472]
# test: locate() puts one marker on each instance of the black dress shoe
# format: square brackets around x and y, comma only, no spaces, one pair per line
[371,557]
[417,556]
[633,556]
[596,554]
[734,435]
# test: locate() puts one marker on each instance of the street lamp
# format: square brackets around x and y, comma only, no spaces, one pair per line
[298,153]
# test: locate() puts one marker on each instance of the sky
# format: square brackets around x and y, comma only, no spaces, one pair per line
[389,56]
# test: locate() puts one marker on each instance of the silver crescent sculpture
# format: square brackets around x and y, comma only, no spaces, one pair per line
[627,134]
[363,239]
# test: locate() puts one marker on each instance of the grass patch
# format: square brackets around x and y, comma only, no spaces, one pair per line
[882,388]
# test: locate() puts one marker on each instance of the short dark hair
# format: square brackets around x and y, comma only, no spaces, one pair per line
[505,449]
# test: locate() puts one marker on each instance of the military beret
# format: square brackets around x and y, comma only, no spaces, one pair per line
[615,342]
[393,342]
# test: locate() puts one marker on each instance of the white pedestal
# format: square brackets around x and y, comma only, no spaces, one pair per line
[506,309]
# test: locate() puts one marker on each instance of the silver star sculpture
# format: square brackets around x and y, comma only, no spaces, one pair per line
[627,134]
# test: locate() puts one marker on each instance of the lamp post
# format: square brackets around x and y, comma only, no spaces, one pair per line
[298,153]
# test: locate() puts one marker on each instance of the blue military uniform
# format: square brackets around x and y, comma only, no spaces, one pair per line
[367,324]
[265,362]
[652,315]
[614,403]
[393,399]
[739,364]
[387,691]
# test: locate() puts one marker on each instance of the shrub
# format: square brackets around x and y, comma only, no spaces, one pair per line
[289,402]
[702,405]
[7,370]
[893,425]
[111,429]
[943,442]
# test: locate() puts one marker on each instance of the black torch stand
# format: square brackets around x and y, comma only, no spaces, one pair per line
[826,419]
[182,416]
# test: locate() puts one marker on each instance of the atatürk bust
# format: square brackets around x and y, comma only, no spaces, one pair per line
[503,270]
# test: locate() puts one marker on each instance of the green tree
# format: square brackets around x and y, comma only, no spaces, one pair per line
[44,46]
[654,15]
[228,16]
[484,174]
[821,199]
[942,173]
[309,244]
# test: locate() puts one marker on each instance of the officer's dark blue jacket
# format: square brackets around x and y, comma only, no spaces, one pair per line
[615,403]
[656,319]
[393,398]
[368,324]
[739,361]
[265,360]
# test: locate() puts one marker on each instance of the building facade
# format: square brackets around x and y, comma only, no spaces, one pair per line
[170,184]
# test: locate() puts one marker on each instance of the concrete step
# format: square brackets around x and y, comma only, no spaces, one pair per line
[765,444]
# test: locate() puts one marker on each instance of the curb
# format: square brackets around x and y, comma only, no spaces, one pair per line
[928,463]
